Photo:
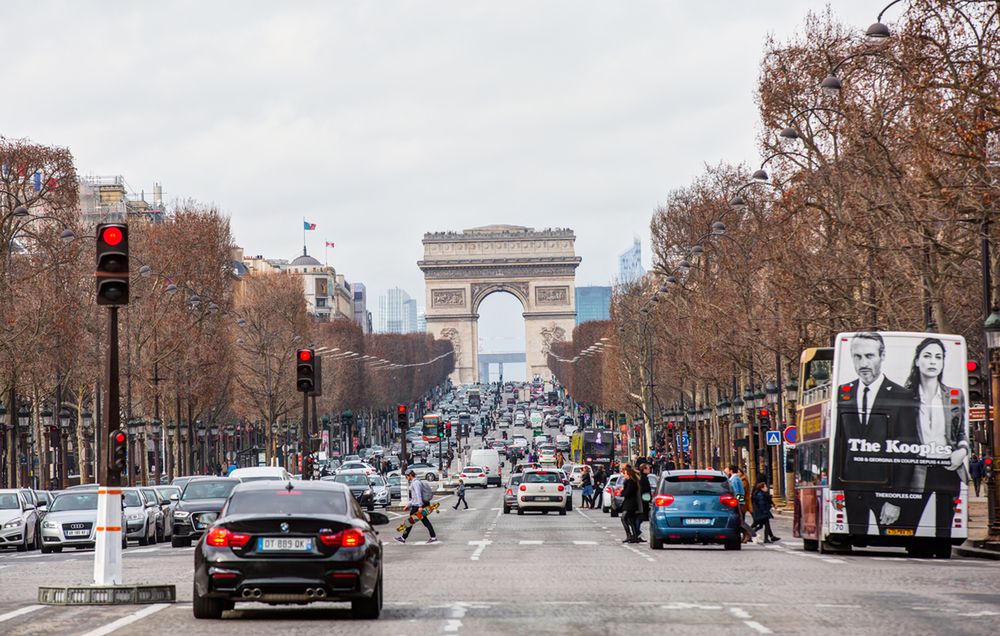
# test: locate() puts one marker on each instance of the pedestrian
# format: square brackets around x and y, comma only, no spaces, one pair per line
[461,495]
[631,503]
[420,497]
[762,515]
[732,472]
[599,482]
[747,503]
[645,497]
[977,470]
[588,488]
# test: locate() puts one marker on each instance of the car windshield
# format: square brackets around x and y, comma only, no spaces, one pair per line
[8,501]
[376,480]
[685,485]
[208,490]
[287,502]
[167,492]
[352,480]
[75,501]
[516,479]
[394,480]
[542,478]
[131,499]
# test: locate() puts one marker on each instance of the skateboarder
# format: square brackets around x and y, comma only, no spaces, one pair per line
[420,497]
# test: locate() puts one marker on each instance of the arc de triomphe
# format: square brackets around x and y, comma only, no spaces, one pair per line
[536,267]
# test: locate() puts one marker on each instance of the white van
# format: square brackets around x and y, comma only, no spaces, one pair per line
[489,459]
[260,473]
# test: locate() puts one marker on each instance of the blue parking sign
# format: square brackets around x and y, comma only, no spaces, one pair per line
[773,438]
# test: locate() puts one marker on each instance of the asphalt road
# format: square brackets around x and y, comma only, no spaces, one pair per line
[506,574]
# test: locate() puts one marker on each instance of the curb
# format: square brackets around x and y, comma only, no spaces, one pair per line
[978,553]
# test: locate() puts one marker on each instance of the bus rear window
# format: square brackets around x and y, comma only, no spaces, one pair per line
[687,485]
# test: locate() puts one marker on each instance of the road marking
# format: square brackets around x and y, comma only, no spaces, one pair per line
[127,620]
[679,605]
[530,542]
[140,551]
[20,612]
[744,616]
[30,556]
[479,550]
[757,627]
[631,549]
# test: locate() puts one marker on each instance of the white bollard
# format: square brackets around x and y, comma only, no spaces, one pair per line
[109,531]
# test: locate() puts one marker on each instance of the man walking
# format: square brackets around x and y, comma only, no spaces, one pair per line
[732,472]
[461,495]
[420,496]
[977,470]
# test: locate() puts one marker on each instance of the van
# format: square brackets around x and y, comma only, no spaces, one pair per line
[260,473]
[489,459]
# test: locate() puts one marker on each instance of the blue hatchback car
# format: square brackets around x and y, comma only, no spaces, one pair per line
[694,506]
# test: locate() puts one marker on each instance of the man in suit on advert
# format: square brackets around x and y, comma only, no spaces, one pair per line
[871,410]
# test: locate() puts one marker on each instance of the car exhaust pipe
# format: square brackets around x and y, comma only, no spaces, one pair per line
[257,593]
[310,592]
[247,592]
[320,592]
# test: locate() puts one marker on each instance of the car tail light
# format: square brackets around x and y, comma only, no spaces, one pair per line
[729,500]
[225,538]
[481,475]
[561,488]
[663,500]
[618,492]
[509,492]
[522,488]
[350,538]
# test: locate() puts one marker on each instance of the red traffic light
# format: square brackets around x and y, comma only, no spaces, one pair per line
[764,413]
[119,438]
[305,355]
[988,461]
[971,366]
[401,409]
[112,235]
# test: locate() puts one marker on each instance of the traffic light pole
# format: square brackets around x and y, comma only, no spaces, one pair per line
[108,548]
[304,444]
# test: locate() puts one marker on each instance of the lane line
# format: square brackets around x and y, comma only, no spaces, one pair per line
[127,620]
[532,542]
[747,619]
[20,612]
[757,627]
[479,550]
[585,543]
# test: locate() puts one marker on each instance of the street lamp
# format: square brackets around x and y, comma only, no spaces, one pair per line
[991,329]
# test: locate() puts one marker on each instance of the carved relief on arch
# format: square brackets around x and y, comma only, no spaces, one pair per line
[450,333]
[550,334]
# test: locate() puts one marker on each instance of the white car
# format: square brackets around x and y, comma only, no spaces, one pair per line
[261,473]
[473,476]
[352,466]
[576,475]
[547,457]
[542,490]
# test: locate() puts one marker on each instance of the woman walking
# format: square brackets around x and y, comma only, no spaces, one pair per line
[588,488]
[762,504]
[631,502]
[645,497]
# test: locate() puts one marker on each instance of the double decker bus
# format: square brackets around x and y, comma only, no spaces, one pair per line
[475,401]
[593,447]
[431,427]
[883,443]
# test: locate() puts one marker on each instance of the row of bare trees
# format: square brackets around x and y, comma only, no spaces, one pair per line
[201,349]
[875,198]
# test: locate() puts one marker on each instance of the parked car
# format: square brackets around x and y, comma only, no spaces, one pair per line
[261,473]
[71,521]
[510,494]
[427,472]
[199,506]
[268,529]
[395,488]
[139,516]
[18,521]
[162,505]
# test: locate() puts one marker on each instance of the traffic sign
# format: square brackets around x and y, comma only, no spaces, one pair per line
[791,435]
[773,438]
[685,442]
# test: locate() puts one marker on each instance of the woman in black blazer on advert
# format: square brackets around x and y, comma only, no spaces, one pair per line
[631,504]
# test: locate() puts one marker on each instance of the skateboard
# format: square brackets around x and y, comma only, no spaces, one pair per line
[418,515]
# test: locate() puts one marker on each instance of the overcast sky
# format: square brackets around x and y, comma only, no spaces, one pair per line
[381,120]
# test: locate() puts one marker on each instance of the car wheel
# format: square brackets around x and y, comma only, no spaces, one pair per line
[605,510]
[46,550]
[371,508]
[23,546]
[430,477]
[369,608]
[545,512]
[143,540]
[734,544]
[942,549]
[178,542]
[655,543]
[206,607]
[160,535]
[569,505]
[520,512]
[506,510]
[562,513]
[58,548]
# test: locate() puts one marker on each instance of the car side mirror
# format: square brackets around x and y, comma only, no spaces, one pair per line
[150,504]
[29,506]
[43,508]
[377,519]
[174,497]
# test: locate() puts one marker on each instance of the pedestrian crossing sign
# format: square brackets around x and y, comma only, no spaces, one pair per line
[773,438]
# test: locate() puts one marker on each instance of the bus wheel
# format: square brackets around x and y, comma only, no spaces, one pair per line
[942,549]
[810,545]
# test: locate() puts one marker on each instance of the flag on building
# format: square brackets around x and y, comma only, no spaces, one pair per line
[329,244]
[306,225]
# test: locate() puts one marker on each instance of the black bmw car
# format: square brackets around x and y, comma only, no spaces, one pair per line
[199,506]
[290,542]
[357,482]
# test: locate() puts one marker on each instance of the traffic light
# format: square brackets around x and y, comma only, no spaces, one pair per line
[447,429]
[119,457]
[401,417]
[308,466]
[764,418]
[621,418]
[112,264]
[305,370]
[975,383]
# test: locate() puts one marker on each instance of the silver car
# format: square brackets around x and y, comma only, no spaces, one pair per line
[18,521]
[380,488]
[139,516]
[70,521]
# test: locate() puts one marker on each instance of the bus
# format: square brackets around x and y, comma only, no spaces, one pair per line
[883,443]
[593,447]
[431,427]
[474,399]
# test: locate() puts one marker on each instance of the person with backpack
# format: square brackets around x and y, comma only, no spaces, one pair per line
[421,496]
[461,495]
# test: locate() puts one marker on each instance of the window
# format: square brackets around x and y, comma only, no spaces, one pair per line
[542,478]
[9,502]
[82,501]
[287,502]
[811,464]
[321,302]
[208,490]
[131,499]
[709,485]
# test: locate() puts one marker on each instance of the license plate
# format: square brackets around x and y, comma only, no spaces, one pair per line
[77,533]
[284,544]
[900,532]
[697,522]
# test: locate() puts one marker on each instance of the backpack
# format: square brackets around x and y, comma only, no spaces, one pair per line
[426,494]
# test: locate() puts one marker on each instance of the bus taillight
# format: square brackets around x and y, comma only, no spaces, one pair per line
[839,501]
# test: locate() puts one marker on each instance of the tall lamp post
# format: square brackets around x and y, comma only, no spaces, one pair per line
[85,451]
[23,434]
[991,329]
[47,448]
[8,449]
[64,422]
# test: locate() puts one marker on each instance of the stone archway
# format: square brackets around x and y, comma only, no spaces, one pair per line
[463,268]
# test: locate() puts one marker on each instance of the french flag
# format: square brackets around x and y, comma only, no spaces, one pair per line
[306,225]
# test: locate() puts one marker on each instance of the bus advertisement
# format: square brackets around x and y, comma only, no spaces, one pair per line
[474,399]
[431,427]
[592,447]
[882,460]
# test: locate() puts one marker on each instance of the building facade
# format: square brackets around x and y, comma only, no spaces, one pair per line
[361,314]
[630,264]
[328,295]
[397,312]
[593,303]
